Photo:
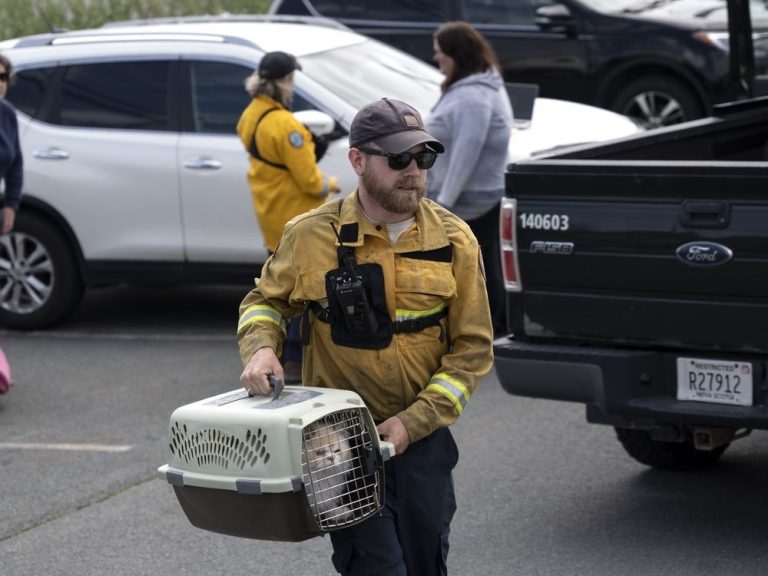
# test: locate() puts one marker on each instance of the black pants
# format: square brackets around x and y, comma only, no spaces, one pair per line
[409,537]
[486,230]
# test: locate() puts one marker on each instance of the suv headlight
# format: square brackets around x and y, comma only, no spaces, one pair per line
[717,39]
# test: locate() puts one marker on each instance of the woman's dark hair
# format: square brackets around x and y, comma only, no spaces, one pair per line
[7,64]
[470,51]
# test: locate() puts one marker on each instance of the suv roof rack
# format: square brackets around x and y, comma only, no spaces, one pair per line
[91,35]
[228,17]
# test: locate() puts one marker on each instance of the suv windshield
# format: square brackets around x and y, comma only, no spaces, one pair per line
[370,70]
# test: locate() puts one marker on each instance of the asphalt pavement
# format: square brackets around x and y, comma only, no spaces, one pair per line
[540,491]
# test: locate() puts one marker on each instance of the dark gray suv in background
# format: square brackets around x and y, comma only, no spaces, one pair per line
[658,61]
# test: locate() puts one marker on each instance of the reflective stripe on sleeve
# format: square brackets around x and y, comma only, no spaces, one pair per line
[452,389]
[326,186]
[260,313]
[402,315]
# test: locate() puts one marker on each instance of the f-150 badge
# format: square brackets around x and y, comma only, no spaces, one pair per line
[704,254]
[541,247]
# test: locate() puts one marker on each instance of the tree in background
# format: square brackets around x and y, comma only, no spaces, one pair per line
[19,17]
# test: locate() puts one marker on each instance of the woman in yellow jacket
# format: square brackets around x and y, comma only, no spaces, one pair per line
[283,174]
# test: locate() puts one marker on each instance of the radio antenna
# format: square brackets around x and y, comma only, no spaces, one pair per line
[43,15]
[344,255]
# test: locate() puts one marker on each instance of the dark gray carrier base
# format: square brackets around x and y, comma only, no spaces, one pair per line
[282,517]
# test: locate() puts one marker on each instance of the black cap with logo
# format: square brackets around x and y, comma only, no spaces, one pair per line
[392,125]
[275,65]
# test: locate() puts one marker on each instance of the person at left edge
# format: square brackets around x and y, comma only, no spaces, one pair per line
[283,174]
[11,174]
[6,74]
[11,164]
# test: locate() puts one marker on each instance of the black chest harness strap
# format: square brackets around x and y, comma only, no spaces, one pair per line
[398,326]
[253,149]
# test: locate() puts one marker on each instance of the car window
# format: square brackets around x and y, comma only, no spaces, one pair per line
[499,11]
[124,95]
[218,95]
[418,10]
[30,88]
[299,103]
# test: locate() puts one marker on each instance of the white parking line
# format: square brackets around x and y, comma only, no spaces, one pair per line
[172,337]
[70,447]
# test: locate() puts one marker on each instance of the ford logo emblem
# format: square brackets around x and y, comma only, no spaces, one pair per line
[704,254]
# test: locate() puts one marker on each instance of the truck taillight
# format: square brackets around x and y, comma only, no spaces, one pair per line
[508,216]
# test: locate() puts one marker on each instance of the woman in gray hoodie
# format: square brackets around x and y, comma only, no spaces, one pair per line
[473,118]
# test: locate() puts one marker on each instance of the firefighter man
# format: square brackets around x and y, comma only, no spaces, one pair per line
[392,290]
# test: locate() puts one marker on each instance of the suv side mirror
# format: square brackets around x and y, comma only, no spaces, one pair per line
[554,16]
[318,122]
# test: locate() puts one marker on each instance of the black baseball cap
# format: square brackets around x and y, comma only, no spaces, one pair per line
[392,125]
[276,65]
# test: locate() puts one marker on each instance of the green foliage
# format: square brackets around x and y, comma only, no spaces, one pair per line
[19,17]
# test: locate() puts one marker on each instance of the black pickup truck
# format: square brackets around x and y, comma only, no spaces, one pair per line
[637,282]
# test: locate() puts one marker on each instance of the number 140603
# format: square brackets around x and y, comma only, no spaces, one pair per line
[544,221]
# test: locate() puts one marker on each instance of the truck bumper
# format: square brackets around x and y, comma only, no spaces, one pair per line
[622,386]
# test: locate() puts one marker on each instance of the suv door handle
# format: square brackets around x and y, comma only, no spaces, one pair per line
[51,154]
[202,163]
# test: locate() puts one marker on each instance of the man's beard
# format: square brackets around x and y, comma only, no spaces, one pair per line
[393,199]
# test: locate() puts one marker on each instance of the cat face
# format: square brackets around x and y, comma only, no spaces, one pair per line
[327,446]
[329,459]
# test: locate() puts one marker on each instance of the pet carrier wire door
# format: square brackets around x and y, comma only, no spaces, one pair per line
[306,463]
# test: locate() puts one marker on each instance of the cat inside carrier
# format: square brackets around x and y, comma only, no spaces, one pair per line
[285,468]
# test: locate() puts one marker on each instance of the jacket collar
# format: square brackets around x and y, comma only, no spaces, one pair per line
[268,102]
[431,232]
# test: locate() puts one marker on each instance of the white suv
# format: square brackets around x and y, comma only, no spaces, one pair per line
[133,171]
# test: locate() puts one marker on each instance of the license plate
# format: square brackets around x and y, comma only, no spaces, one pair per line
[714,381]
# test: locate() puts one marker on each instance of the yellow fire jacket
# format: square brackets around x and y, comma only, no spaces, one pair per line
[279,194]
[425,378]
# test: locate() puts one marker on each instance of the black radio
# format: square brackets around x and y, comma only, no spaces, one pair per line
[357,309]
[349,291]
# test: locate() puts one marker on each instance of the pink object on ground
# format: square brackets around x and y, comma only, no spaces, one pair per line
[5,373]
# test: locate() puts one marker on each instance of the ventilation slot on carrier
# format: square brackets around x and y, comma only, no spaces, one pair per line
[212,448]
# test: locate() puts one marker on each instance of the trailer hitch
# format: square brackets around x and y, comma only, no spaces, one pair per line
[709,439]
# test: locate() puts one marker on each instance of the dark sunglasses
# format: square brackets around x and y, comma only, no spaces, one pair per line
[401,161]
[4,76]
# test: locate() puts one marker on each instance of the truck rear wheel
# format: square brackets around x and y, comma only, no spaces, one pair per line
[666,455]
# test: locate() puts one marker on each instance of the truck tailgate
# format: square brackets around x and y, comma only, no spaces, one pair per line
[658,252]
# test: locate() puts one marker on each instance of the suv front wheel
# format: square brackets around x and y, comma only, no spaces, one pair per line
[39,280]
[655,101]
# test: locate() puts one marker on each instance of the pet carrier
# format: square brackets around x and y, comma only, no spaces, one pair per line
[288,468]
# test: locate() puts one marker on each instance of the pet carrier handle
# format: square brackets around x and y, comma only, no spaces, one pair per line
[277,385]
[387,450]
